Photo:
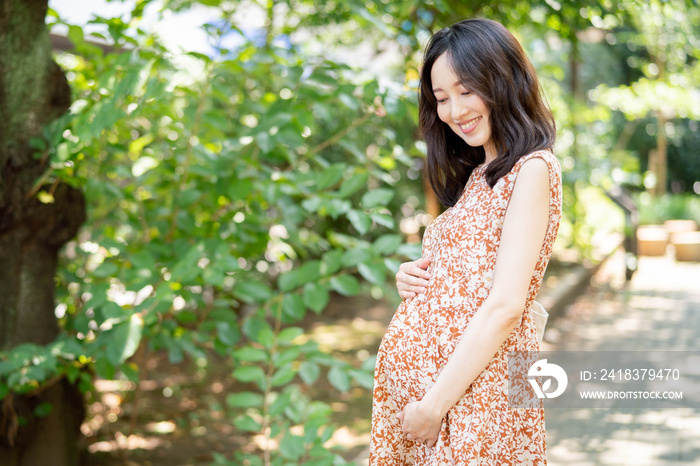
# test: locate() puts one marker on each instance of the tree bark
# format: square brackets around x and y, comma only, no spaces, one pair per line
[33,92]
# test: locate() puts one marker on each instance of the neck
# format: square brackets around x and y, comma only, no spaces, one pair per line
[490,151]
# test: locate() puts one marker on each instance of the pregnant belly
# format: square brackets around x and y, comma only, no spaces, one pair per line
[407,355]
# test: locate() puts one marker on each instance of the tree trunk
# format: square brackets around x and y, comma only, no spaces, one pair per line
[33,92]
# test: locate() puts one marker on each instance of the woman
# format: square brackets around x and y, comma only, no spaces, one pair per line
[440,394]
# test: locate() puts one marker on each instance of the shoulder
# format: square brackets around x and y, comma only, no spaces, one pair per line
[541,163]
[545,156]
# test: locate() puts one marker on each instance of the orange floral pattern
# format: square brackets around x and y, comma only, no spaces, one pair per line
[481,429]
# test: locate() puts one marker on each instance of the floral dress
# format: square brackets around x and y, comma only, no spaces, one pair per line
[481,429]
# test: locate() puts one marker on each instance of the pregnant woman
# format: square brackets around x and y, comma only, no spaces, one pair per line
[440,394]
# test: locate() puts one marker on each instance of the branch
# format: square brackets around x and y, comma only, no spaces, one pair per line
[339,135]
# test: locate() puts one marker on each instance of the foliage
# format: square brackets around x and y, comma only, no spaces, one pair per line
[657,210]
[222,210]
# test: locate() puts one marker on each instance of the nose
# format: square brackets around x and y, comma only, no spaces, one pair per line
[456,109]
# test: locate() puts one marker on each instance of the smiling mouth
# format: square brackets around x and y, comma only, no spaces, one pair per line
[468,126]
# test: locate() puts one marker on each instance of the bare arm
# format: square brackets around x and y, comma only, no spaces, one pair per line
[524,229]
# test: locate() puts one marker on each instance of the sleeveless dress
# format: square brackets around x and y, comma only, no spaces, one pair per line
[481,429]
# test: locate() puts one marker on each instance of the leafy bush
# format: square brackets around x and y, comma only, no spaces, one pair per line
[222,210]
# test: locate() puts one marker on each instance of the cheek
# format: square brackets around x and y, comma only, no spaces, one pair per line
[443,113]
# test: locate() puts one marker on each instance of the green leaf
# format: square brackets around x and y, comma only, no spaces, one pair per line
[240,189]
[352,257]
[331,262]
[370,363]
[223,315]
[286,356]
[43,409]
[339,379]
[392,265]
[360,220]
[76,35]
[335,208]
[292,446]
[266,337]
[289,334]
[131,372]
[353,184]
[104,369]
[106,269]
[247,423]
[387,244]
[250,354]
[253,325]
[283,375]
[143,260]
[250,374]
[244,400]
[309,372]
[265,142]
[251,292]
[316,297]
[373,273]
[188,197]
[293,306]
[311,204]
[364,378]
[185,316]
[346,285]
[384,220]
[330,176]
[307,272]
[227,334]
[349,101]
[412,251]
[280,404]
[124,339]
[377,197]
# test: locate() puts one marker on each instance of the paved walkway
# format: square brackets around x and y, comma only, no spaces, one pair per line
[658,310]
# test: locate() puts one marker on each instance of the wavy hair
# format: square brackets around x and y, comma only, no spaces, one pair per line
[490,62]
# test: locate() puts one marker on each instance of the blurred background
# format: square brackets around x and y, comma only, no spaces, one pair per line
[252,173]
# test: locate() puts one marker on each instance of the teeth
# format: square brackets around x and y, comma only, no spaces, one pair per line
[469,123]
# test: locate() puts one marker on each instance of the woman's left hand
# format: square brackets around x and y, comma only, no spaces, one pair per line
[420,423]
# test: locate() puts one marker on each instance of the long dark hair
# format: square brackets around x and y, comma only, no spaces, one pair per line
[490,62]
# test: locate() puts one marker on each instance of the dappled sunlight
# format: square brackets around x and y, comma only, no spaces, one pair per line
[163,427]
[347,336]
[132,442]
[347,438]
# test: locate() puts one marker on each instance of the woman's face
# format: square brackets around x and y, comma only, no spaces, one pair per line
[462,110]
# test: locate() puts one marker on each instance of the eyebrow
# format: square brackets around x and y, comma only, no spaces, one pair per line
[457,83]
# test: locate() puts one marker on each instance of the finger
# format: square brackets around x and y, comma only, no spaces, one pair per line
[417,288]
[407,294]
[416,268]
[423,262]
[411,279]
[431,443]
[424,274]
[418,272]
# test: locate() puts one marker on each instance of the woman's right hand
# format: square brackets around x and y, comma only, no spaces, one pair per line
[412,278]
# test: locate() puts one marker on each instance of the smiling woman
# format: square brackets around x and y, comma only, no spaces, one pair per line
[441,379]
[462,110]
